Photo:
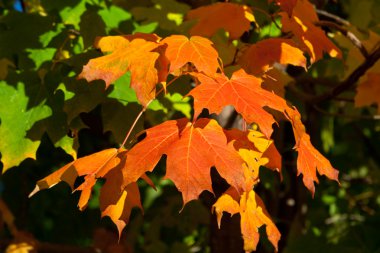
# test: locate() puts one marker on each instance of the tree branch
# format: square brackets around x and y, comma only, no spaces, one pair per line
[342,86]
[352,79]
[349,35]
[334,17]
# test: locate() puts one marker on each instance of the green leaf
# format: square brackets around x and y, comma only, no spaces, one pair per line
[81,96]
[91,25]
[118,119]
[39,56]
[180,103]
[87,96]
[17,117]
[121,90]
[22,31]
[71,14]
[113,16]
[148,28]
[56,125]
[167,13]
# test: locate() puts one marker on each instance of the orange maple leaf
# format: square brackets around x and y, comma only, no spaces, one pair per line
[116,201]
[260,57]
[148,152]
[191,149]
[305,11]
[92,167]
[254,140]
[368,91]
[312,38]
[309,160]
[256,150]
[253,215]
[197,50]
[243,91]
[234,18]
[129,53]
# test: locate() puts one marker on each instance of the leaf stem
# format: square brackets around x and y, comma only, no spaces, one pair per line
[134,124]
[142,111]
[268,15]
[167,85]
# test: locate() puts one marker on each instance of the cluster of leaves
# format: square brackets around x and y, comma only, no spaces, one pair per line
[205,60]
[192,148]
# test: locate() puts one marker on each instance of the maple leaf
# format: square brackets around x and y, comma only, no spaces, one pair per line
[117,201]
[145,155]
[312,38]
[253,215]
[368,91]
[267,148]
[235,19]
[260,57]
[14,146]
[129,53]
[256,150]
[167,13]
[243,91]
[92,167]
[120,211]
[309,160]
[197,50]
[200,147]
[305,11]
[286,5]
[191,149]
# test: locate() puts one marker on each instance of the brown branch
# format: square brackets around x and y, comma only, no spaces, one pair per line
[334,17]
[351,79]
[343,86]
[349,35]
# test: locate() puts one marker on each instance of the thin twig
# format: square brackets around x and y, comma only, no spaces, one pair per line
[334,17]
[267,14]
[134,124]
[349,35]
[142,112]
